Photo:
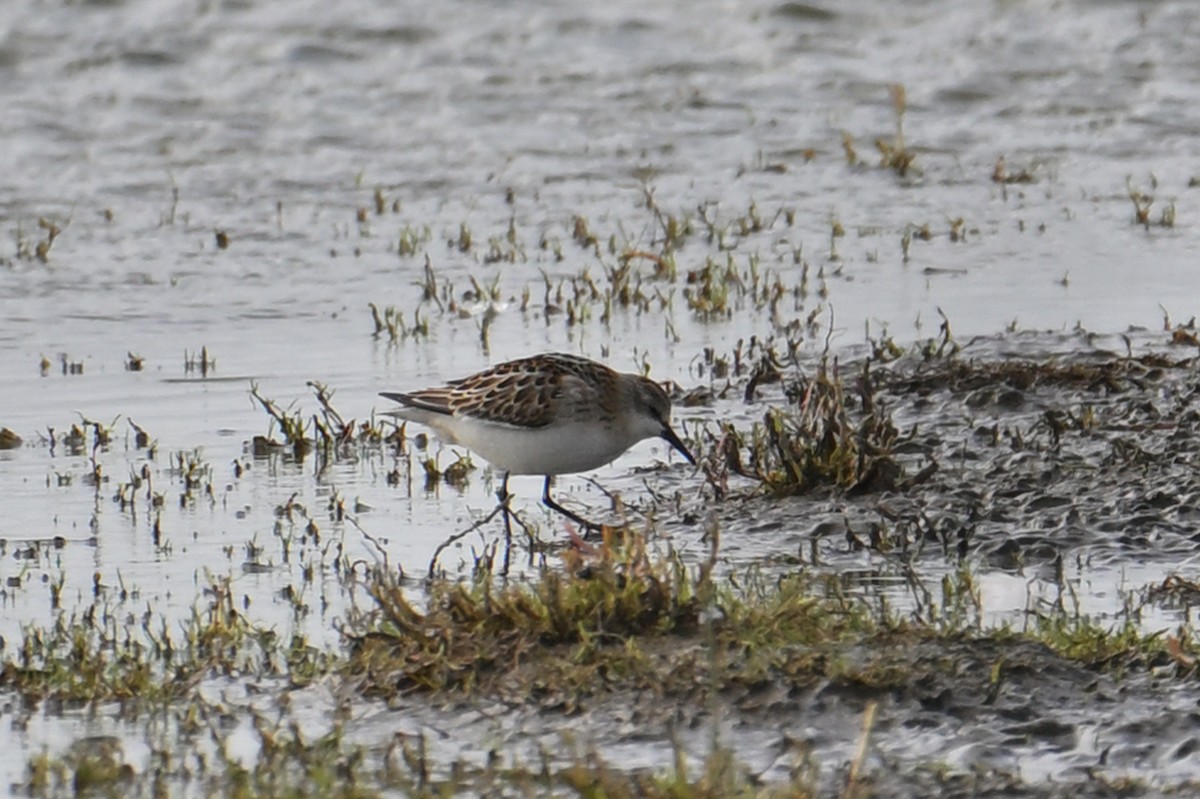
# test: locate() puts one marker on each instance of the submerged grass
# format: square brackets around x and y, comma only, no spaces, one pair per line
[1114,648]
[611,617]
[616,617]
[620,618]
[98,655]
[286,766]
[616,620]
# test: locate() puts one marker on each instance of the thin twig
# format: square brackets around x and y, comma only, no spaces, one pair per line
[372,540]
[851,789]
[437,553]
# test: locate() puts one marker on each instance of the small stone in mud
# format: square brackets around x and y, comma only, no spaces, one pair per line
[1010,398]
[979,398]
[9,439]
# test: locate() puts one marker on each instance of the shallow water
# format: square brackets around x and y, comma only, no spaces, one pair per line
[141,129]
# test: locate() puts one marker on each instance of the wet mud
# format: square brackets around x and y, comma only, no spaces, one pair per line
[1016,451]
[1058,459]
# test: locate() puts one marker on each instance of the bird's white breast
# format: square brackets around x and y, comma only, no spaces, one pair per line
[554,449]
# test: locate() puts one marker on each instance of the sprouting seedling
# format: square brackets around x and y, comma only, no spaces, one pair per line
[464,238]
[848,149]
[836,231]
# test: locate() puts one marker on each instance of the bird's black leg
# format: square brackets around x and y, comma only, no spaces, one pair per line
[503,496]
[552,505]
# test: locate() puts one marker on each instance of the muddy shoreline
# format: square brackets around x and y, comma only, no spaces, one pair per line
[675,638]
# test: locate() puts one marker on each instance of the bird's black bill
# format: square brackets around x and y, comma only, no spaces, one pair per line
[669,436]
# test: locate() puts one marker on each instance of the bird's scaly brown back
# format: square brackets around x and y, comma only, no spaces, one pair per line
[524,392]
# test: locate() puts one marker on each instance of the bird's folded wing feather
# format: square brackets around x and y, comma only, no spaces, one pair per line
[526,401]
[435,400]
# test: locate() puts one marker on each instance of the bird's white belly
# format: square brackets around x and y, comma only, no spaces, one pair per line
[556,449]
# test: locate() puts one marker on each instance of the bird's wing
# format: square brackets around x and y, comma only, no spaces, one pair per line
[527,399]
[434,400]
[528,393]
